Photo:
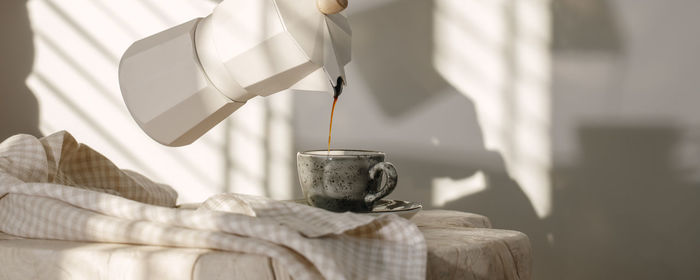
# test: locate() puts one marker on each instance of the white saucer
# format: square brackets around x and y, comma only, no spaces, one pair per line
[405,209]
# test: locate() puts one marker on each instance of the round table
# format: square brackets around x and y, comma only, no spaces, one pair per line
[464,246]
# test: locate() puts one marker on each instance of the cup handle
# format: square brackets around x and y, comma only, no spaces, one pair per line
[389,185]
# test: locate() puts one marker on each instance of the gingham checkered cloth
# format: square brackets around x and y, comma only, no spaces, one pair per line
[56,188]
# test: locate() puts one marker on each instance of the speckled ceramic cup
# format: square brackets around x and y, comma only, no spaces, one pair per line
[345,180]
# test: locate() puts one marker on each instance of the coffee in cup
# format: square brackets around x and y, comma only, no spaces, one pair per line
[345,180]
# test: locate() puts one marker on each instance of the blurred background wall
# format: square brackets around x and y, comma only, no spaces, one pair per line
[573,121]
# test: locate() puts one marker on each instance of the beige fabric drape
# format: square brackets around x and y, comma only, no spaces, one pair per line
[56,188]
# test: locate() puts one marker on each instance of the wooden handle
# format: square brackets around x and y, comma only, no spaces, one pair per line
[331,6]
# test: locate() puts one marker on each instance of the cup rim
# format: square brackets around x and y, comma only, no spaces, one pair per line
[324,153]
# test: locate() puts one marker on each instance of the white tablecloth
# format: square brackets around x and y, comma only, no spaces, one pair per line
[460,246]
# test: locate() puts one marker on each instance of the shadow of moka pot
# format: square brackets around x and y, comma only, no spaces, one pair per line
[181,82]
[393,52]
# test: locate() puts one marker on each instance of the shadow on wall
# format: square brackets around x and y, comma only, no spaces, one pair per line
[584,26]
[624,211]
[19,110]
[393,49]
[393,52]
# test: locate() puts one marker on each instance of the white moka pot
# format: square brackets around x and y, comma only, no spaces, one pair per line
[181,82]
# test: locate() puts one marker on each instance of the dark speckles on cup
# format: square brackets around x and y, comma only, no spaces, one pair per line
[345,180]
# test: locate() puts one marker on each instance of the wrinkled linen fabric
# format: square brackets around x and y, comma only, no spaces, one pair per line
[56,188]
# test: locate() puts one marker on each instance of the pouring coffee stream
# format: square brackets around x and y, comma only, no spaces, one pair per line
[337,90]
